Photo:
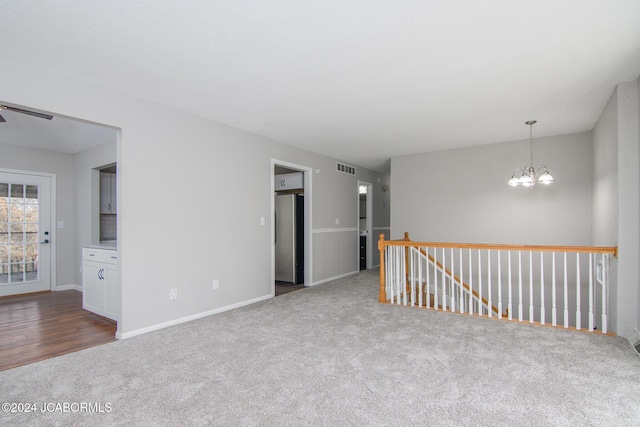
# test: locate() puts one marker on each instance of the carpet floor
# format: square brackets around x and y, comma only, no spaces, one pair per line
[331,355]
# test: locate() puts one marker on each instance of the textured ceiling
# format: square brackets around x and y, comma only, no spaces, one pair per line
[59,134]
[362,81]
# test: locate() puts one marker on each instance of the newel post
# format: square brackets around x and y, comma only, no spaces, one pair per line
[382,295]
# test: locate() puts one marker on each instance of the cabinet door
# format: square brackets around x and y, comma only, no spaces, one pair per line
[112,193]
[108,193]
[105,193]
[93,287]
[112,291]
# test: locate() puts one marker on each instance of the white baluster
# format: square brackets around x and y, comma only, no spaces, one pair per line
[403,270]
[428,273]
[413,277]
[435,279]
[420,280]
[394,273]
[499,286]
[542,313]
[509,303]
[566,294]
[461,287]
[470,283]
[396,276]
[520,286]
[490,304]
[591,292]
[480,307]
[605,284]
[530,286]
[578,312]
[389,272]
[554,317]
[444,281]
[452,283]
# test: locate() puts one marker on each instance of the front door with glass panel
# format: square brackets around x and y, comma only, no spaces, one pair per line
[25,233]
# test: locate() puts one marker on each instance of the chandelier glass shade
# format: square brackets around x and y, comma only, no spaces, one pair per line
[529,176]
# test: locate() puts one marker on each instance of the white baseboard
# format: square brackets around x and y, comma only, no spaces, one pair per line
[634,339]
[125,335]
[69,287]
[334,278]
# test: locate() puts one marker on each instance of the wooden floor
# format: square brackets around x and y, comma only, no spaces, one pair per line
[40,326]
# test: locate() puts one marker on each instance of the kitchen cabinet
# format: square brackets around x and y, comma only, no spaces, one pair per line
[101,290]
[108,199]
[289,181]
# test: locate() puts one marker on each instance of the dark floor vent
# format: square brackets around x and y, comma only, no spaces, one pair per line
[637,347]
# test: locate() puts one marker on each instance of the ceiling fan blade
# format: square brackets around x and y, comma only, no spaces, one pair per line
[31,113]
[2,120]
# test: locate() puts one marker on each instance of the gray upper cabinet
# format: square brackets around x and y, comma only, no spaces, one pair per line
[108,193]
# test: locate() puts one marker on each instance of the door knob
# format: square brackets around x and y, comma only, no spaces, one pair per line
[45,241]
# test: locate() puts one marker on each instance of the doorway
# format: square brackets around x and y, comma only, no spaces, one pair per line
[25,232]
[290,226]
[365,224]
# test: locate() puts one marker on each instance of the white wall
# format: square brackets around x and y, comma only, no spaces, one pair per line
[462,195]
[191,192]
[605,192]
[605,175]
[616,201]
[60,164]
[628,209]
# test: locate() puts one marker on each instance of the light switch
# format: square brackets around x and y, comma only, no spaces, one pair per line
[262,221]
[337,221]
[60,224]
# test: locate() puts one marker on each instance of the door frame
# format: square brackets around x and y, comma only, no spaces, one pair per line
[308,237]
[52,215]
[369,205]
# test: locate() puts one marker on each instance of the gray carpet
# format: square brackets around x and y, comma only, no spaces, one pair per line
[332,356]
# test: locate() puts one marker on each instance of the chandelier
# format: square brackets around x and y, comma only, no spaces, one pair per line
[527,176]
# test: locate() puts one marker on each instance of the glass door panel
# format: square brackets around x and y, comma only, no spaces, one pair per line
[21,230]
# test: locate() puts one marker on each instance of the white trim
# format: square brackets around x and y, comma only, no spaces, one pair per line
[308,220]
[634,339]
[69,287]
[334,278]
[381,228]
[369,222]
[52,214]
[335,230]
[125,335]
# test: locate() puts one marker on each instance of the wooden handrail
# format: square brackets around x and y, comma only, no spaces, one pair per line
[612,250]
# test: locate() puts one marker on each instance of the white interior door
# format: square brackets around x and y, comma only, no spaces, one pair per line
[25,233]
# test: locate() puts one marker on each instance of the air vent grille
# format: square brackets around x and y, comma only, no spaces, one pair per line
[341,167]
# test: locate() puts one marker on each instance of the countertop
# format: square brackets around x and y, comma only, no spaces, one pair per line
[108,245]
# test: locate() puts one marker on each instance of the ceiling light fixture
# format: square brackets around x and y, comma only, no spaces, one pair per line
[527,177]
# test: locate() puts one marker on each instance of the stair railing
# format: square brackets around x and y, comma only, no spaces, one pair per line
[467,278]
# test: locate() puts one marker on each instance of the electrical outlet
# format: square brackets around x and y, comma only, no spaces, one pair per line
[173,294]
[216,284]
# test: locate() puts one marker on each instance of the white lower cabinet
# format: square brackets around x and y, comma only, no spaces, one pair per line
[101,290]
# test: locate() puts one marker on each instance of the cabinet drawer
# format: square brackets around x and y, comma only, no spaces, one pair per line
[100,255]
[89,254]
[110,257]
